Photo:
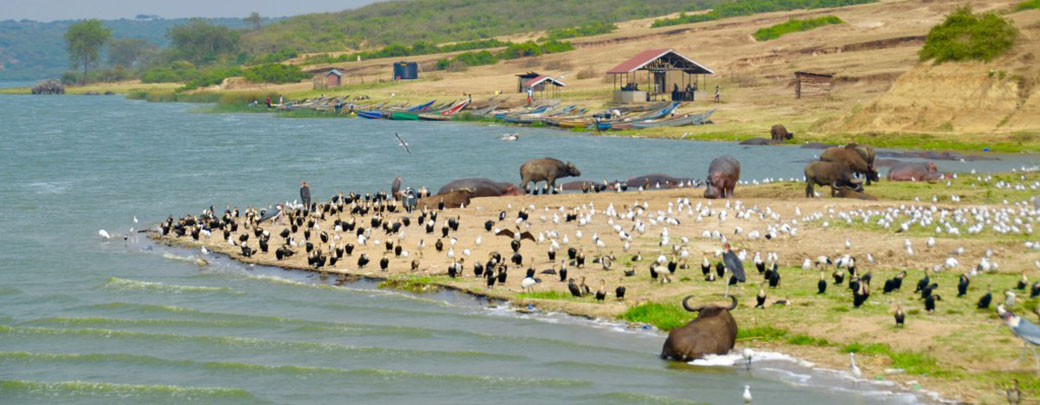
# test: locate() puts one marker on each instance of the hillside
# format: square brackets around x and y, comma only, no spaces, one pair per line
[34,50]
[974,97]
[440,21]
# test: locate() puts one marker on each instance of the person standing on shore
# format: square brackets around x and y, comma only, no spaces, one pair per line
[305,195]
[717,100]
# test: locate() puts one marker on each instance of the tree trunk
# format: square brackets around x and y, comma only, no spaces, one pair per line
[83,80]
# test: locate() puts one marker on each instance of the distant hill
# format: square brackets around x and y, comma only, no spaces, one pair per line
[439,21]
[32,50]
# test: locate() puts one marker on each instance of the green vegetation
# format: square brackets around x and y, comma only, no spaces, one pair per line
[585,30]
[84,41]
[547,295]
[397,50]
[513,51]
[748,7]
[1028,5]
[914,363]
[415,284]
[441,21]
[200,42]
[275,73]
[794,25]
[964,35]
[761,333]
[661,316]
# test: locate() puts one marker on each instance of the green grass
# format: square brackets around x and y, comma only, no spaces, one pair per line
[795,25]
[748,7]
[661,316]
[806,340]
[547,295]
[762,333]
[964,36]
[415,284]
[1028,5]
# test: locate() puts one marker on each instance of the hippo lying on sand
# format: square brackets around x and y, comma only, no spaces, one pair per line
[723,175]
[658,180]
[912,171]
[451,199]
[482,187]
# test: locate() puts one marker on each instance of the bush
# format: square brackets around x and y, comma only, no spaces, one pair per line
[275,57]
[275,73]
[593,28]
[586,73]
[1028,5]
[212,76]
[794,25]
[964,35]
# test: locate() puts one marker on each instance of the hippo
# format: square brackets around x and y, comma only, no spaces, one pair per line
[723,174]
[482,187]
[779,134]
[586,186]
[913,171]
[547,170]
[834,174]
[759,142]
[451,199]
[851,158]
[658,180]
[845,192]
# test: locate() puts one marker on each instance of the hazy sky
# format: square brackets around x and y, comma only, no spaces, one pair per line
[49,10]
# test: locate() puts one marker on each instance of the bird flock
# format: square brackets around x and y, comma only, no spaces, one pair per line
[626,244]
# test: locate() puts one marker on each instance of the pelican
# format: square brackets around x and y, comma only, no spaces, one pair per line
[105,236]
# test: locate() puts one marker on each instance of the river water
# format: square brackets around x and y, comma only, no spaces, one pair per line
[86,321]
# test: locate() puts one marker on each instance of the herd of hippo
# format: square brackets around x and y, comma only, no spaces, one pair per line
[845,169]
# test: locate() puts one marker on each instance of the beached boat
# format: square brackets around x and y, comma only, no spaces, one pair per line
[404,116]
[695,119]
[370,114]
[446,114]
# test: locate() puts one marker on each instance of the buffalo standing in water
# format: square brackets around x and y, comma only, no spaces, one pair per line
[547,170]
[723,174]
[713,332]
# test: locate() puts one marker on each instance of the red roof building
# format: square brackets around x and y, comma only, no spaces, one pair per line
[667,71]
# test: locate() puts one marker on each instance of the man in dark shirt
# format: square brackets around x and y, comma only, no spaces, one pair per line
[305,195]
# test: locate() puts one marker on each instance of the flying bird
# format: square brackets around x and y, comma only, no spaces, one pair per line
[402,143]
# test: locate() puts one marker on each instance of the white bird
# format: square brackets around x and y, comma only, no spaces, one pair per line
[528,283]
[747,394]
[931,242]
[402,143]
[135,219]
[853,368]
[848,244]
[105,236]
[747,353]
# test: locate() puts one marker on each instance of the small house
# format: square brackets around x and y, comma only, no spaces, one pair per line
[523,78]
[333,78]
[812,84]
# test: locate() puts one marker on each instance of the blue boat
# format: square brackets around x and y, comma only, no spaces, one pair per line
[372,115]
[422,107]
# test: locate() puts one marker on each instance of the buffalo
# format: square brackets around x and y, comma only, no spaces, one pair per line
[779,133]
[853,159]
[836,175]
[547,170]
[713,332]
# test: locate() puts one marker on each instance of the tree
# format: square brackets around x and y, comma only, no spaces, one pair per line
[84,41]
[200,42]
[127,52]
[255,19]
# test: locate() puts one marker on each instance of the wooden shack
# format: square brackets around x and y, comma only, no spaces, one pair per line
[812,84]
[333,78]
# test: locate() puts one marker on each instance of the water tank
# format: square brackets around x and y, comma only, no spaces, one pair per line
[406,70]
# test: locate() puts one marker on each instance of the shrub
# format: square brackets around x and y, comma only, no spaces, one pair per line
[275,57]
[593,28]
[160,75]
[586,73]
[794,25]
[1028,5]
[275,73]
[212,76]
[964,35]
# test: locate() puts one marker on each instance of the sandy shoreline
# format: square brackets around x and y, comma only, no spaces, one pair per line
[828,317]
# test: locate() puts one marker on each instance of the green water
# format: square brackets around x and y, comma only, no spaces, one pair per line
[86,321]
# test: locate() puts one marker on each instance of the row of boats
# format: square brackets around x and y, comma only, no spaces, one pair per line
[550,113]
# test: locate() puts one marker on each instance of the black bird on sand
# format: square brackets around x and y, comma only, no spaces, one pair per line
[986,299]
